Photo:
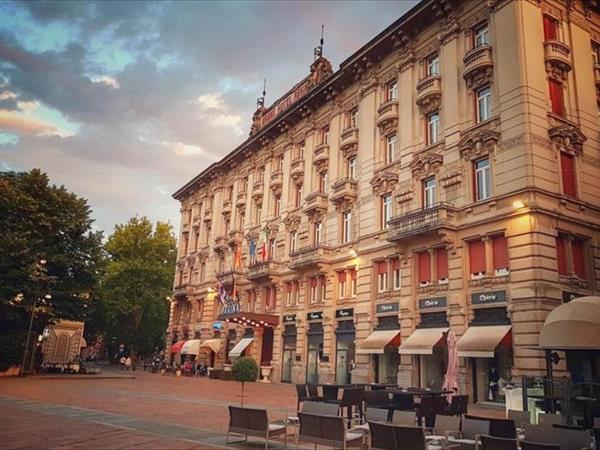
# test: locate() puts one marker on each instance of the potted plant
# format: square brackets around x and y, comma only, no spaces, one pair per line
[265,371]
[244,369]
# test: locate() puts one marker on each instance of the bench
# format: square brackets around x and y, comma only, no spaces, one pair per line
[254,422]
[327,430]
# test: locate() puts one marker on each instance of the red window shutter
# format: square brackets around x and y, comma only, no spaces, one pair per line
[424,267]
[477,256]
[567,169]
[396,264]
[578,258]
[500,252]
[342,277]
[381,267]
[561,254]
[550,28]
[557,99]
[313,282]
[441,261]
[296,286]
[289,287]
[353,274]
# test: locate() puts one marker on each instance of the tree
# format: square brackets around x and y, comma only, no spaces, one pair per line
[244,369]
[47,247]
[134,287]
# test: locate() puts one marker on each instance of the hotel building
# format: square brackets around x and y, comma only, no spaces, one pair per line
[443,178]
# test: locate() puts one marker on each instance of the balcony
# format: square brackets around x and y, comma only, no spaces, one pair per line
[321,156]
[221,244]
[208,212]
[343,193]
[315,203]
[183,290]
[429,93]
[556,57]
[422,221]
[310,257]
[276,181]
[257,190]
[235,237]
[387,114]
[226,207]
[297,170]
[228,277]
[241,198]
[185,227]
[349,140]
[263,270]
[478,65]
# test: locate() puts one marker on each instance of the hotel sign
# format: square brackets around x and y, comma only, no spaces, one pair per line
[289,318]
[341,313]
[300,91]
[314,315]
[387,308]
[485,298]
[432,303]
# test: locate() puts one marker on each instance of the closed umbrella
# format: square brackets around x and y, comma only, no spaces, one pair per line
[450,382]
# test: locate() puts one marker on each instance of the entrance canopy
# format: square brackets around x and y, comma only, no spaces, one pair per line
[176,347]
[422,341]
[212,344]
[240,347]
[191,347]
[251,319]
[481,341]
[376,342]
[573,326]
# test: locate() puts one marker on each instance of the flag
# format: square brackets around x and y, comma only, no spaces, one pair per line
[263,250]
[237,263]
[252,248]
[221,292]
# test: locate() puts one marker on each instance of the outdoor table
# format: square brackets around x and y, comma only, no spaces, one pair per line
[587,402]
[331,391]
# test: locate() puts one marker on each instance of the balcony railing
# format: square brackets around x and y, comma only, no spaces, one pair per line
[315,202]
[441,215]
[477,59]
[343,190]
[387,111]
[321,154]
[428,88]
[262,270]
[221,244]
[241,197]
[309,257]
[556,54]
[228,277]
[276,180]
[297,169]
[208,212]
[226,207]
[348,138]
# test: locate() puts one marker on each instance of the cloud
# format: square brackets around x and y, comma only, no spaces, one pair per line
[107,80]
[18,123]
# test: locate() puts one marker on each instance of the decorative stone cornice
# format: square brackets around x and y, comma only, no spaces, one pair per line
[430,103]
[407,59]
[368,83]
[478,142]
[384,182]
[449,30]
[450,178]
[426,163]
[405,193]
[292,222]
[567,138]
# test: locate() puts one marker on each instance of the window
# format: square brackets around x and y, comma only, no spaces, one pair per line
[298,195]
[578,251]
[293,241]
[324,135]
[208,232]
[433,65]
[323,182]
[243,184]
[557,99]
[289,288]
[424,262]
[484,104]
[441,265]
[482,178]
[257,212]
[322,287]
[353,282]
[342,284]
[386,210]
[595,53]
[352,118]
[277,205]
[351,168]
[280,164]
[396,273]
[390,149]
[296,292]
[477,258]
[202,272]
[318,233]
[272,249]
[433,128]
[230,193]
[241,218]
[391,94]
[346,226]
[260,175]
[381,276]
[481,35]
[226,225]
[429,193]
[550,28]
[567,170]
[196,238]
[561,254]
[301,150]
[500,249]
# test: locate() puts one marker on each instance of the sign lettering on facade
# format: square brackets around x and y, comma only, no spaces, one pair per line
[387,308]
[347,312]
[485,298]
[217,325]
[286,102]
[314,315]
[431,303]
[568,296]
[289,318]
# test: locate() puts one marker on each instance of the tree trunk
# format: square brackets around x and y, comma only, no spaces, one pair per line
[242,394]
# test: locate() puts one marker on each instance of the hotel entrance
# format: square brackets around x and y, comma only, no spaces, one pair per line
[289,347]
[344,354]
[315,347]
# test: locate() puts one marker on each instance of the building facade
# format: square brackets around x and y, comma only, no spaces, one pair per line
[442,179]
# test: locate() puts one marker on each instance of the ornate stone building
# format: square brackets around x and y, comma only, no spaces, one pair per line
[443,178]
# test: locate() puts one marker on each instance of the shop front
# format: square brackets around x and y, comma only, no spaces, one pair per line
[315,346]
[427,343]
[382,344]
[487,344]
[290,336]
[344,353]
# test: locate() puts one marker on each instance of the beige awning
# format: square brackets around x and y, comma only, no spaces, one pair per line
[213,344]
[83,342]
[376,342]
[573,326]
[481,342]
[191,347]
[237,350]
[422,341]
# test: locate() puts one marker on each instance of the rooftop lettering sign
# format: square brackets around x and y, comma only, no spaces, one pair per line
[300,91]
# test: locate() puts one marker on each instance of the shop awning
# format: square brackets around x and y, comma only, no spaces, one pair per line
[83,342]
[240,347]
[250,319]
[481,341]
[176,347]
[191,347]
[573,326]
[376,342]
[212,344]
[422,341]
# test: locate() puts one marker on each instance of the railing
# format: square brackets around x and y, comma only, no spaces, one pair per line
[321,153]
[430,82]
[261,269]
[308,256]
[420,221]
[557,53]
[315,200]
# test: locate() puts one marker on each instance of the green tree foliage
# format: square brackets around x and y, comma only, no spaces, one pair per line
[134,287]
[244,369]
[42,222]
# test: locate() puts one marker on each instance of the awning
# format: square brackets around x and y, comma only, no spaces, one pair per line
[240,347]
[212,344]
[481,341]
[176,347]
[422,341]
[573,326]
[250,319]
[376,342]
[191,347]
[83,342]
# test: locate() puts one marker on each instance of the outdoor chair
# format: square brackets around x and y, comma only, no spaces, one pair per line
[496,443]
[405,418]
[429,408]
[413,438]
[550,419]
[313,393]
[352,399]
[327,430]
[445,427]
[501,428]
[373,415]
[254,422]
[302,393]
[317,408]
[382,436]
[596,435]
[526,445]
[330,392]
[403,402]
[566,438]
[596,422]
[520,417]
[471,432]
[458,405]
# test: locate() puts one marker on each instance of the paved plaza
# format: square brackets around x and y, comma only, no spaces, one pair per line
[146,412]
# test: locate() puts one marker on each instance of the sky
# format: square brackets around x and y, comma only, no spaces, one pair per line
[124,102]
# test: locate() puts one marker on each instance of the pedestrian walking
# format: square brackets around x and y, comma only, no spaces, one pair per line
[122,361]
[128,363]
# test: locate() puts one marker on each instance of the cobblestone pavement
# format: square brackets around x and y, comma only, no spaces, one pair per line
[148,411]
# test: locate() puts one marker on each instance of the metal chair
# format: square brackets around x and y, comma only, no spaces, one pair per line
[458,405]
[550,419]
[526,445]
[404,418]
[382,436]
[302,393]
[254,422]
[496,443]
[313,393]
[471,432]
[520,417]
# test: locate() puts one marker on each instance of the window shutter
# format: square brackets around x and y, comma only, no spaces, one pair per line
[500,252]
[353,274]
[342,277]
[567,168]
[550,28]
[313,282]
[441,261]
[424,267]
[477,256]
[556,97]
[381,267]
[396,264]
[289,287]
[578,258]
[561,255]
